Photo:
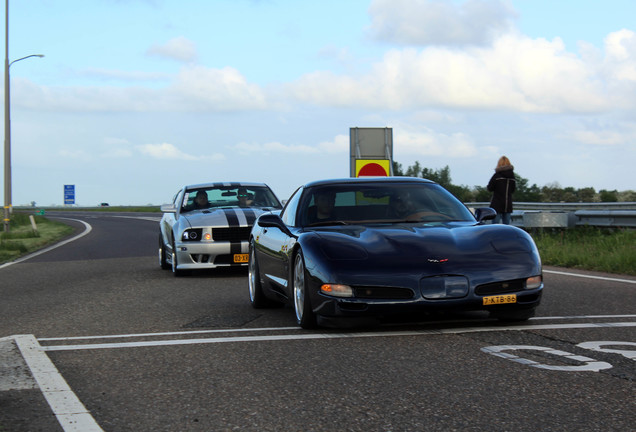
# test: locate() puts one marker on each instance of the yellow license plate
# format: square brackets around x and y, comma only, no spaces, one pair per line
[500,299]
[241,258]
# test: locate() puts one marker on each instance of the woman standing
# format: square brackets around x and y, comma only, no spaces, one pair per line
[502,185]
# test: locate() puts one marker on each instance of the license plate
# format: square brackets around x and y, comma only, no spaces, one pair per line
[241,258]
[500,299]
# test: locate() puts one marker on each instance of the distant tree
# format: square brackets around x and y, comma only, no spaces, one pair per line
[608,196]
[586,194]
[414,170]
[481,194]
[552,192]
[397,169]
[569,194]
[627,196]
[525,193]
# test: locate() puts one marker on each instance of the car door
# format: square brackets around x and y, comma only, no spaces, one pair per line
[274,245]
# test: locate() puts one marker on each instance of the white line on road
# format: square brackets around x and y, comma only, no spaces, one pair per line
[590,276]
[307,336]
[68,409]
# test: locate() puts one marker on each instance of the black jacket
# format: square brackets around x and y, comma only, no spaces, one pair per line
[502,185]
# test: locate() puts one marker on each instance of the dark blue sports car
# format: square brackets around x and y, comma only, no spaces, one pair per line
[361,248]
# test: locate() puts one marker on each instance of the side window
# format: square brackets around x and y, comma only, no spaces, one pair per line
[289,211]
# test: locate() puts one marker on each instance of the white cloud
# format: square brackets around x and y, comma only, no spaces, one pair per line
[340,144]
[179,48]
[200,88]
[430,143]
[122,75]
[515,73]
[194,88]
[603,138]
[437,22]
[164,151]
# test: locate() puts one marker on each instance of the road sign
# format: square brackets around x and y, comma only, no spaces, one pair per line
[371,152]
[373,167]
[69,194]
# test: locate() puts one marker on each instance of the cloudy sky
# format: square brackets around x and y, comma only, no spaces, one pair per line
[135,98]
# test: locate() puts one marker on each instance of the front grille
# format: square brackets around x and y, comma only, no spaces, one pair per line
[500,287]
[232,234]
[373,292]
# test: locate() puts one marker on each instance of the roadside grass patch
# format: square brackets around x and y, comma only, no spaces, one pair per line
[22,239]
[610,250]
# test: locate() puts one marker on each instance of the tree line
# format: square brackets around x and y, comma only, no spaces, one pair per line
[524,192]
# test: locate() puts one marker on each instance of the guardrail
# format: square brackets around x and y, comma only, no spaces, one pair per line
[569,215]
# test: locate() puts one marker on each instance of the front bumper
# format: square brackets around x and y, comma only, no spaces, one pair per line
[327,306]
[192,256]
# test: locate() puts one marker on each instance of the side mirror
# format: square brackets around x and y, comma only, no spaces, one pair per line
[271,220]
[485,213]
[168,208]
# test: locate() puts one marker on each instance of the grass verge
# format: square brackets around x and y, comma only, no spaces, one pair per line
[609,250]
[23,239]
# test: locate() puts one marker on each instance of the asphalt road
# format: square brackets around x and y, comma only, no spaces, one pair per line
[129,347]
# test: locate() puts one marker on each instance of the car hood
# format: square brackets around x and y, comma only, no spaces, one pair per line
[224,216]
[451,248]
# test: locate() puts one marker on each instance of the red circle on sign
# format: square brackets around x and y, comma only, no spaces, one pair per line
[372,170]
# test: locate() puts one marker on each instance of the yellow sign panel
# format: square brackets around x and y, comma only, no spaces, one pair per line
[373,167]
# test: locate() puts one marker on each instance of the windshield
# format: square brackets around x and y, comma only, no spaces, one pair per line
[229,196]
[380,203]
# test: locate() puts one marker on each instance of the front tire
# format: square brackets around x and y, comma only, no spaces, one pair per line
[305,316]
[163,262]
[257,297]
[175,271]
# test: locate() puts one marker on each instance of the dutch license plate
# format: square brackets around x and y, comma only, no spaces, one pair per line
[241,258]
[500,299]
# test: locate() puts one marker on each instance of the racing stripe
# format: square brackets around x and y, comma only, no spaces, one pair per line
[233,221]
[250,216]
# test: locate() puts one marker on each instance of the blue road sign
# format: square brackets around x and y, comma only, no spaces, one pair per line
[69,194]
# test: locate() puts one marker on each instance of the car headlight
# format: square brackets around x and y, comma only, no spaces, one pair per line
[192,235]
[337,290]
[534,282]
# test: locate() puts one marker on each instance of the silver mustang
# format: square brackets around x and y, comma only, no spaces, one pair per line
[208,225]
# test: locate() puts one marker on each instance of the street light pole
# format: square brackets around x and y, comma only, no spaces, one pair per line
[7,127]
[7,123]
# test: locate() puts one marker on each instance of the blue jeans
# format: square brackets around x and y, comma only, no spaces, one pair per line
[502,218]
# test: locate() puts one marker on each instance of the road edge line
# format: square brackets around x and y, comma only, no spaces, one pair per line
[88,229]
[66,406]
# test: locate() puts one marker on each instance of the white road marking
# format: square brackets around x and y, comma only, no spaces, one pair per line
[590,276]
[599,346]
[68,409]
[588,363]
[309,336]
[270,329]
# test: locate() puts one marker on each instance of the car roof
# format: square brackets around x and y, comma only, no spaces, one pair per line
[223,185]
[372,180]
